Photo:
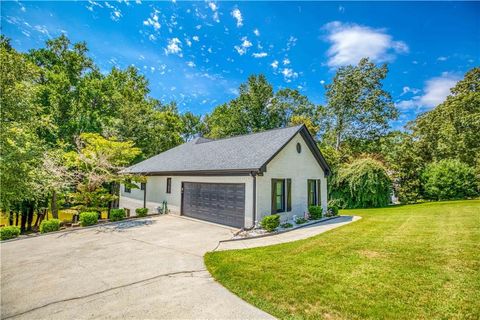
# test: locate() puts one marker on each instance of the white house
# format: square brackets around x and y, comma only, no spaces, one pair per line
[234,181]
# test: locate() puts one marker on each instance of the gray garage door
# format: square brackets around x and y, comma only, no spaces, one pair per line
[222,203]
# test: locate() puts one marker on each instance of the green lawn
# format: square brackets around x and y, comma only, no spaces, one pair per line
[406,262]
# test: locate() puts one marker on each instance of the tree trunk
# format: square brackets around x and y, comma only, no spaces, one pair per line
[16,218]
[31,210]
[337,143]
[10,218]
[54,205]
[23,218]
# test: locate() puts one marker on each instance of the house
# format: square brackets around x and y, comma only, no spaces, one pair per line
[234,181]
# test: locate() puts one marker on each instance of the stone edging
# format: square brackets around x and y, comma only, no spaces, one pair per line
[71,229]
[283,231]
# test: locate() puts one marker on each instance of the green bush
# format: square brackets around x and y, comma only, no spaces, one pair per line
[315,212]
[300,220]
[449,179]
[332,211]
[364,183]
[141,212]
[49,225]
[286,225]
[88,218]
[270,223]
[9,232]
[117,214]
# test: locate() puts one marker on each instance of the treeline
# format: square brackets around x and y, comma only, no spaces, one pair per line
[67,128]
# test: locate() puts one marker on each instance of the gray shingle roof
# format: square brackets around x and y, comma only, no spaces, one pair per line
[247,152]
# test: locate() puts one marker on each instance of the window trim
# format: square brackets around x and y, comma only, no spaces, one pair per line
[169,185]
[274,195]
[313,192]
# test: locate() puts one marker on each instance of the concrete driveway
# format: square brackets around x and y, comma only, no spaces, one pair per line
[150,268]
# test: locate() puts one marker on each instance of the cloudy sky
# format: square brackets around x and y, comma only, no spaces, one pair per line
[197,53]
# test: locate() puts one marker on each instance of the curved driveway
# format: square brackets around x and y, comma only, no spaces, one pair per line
[150,268]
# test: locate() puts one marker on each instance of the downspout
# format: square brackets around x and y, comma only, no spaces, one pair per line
[145,195]
[254,211]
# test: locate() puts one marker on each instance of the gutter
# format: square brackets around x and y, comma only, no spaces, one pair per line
[254,211]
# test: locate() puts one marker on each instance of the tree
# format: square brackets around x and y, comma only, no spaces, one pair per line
[451,130]
[358,106]
[449,179]
[97,162]
[363,183]
[192,126]
[258,108]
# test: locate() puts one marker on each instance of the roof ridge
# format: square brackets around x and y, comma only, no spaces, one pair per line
[254,133]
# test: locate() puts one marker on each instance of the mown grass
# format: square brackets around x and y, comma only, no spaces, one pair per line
[406,262]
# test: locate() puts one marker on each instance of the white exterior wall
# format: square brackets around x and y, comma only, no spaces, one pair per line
[157,187]
[289,164]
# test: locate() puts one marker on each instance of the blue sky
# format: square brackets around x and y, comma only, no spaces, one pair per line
[198,53]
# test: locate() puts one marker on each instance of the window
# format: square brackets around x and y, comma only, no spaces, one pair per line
[278,195]
[299,147]
[126,186]
[314,198]
[169,185]
[143,185]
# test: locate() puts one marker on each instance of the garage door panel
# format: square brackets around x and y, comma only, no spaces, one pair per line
[215,202]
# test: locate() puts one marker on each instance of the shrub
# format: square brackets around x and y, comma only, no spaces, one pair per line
[9,232]
[332,211]
[315,212]
[364,183]
[286,225]
[141,212]
[270,223]
[300,220]
[49,225]
[88,218]
[117,214]
[449,179]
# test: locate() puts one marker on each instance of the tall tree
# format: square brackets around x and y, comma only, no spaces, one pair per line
[451,130]
[358,106]
[259,108]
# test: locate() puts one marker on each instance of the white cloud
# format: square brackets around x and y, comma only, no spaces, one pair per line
[274,64]
[286,61]
[260,55]
[238,16]
[152,37]
[407,89]
[292,42]
[213,6]
[174,47]
[322,82]
[191,64]
[242,48]
[195,38]
[153,20]
[289,74]
[256,32]
[188,42]
[351,42]
[442,58]
[435,92]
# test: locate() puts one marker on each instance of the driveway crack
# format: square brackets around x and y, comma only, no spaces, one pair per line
[170,274]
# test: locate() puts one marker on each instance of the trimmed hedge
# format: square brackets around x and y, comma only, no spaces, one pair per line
[49,225]
[9,232]
[270,223]
[141,212]
[88,218]
[117,214]
[315,212]
[300,220]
